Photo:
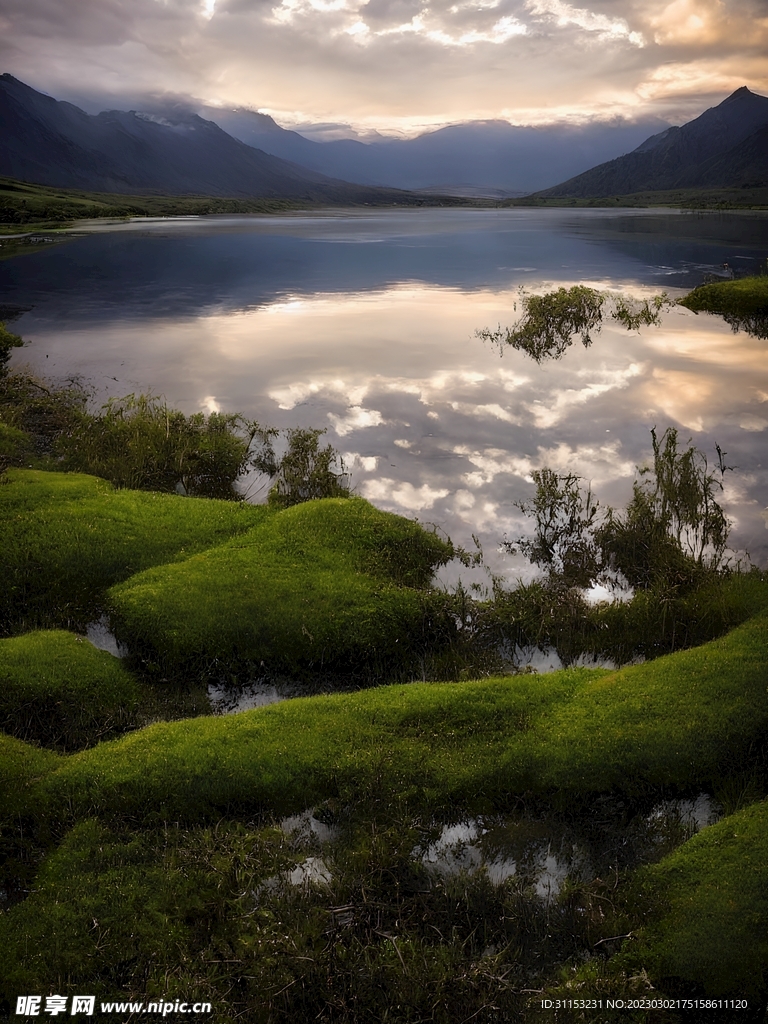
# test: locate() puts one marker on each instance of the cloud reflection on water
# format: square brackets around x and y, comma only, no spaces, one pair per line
[433,422]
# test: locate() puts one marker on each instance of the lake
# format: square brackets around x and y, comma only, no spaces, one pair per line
[364,323]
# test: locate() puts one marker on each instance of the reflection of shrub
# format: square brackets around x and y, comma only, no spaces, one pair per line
[551,321]
[333,585]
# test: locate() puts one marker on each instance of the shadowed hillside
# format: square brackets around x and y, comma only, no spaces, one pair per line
[727,146]
[57,144]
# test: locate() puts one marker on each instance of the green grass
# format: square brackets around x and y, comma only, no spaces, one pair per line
[711,900]
[328,585]
[679,721]
[683,721]
[740,297]
[163,893]
[41,206]
[21,765]
[65,538]
[202,914]
[101,911]
[57,689]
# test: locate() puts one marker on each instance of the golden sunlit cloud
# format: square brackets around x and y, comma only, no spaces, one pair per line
[701,76]
[690,21]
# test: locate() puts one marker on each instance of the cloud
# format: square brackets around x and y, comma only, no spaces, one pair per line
[394,63]
[356,418]
[604,27]
[597,463]
[404,495]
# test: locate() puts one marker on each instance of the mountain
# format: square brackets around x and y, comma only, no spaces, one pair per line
[480,157]
[726,147]
[55,143]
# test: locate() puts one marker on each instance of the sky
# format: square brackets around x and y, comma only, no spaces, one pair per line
[394,66]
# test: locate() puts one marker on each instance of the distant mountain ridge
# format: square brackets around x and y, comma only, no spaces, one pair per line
[55,143]
[478,157]
[726,146]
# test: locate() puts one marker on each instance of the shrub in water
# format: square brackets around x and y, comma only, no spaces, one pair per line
[138,442]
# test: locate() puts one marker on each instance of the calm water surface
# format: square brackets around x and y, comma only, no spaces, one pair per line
[364,323]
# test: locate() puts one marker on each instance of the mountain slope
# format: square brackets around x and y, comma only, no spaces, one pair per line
[56,143]
[480,155]
[727,146]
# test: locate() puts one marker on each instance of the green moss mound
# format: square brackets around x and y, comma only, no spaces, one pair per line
[21,765]
[327,585]
[741,297]
[711,898]
[685,720]
[57,689]
[428,743]
[680,721]
[65,538]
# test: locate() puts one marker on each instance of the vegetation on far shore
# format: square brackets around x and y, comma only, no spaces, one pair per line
[25,205]
[751,198]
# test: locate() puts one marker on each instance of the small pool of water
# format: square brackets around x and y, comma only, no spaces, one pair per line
[541,853]
[101,636]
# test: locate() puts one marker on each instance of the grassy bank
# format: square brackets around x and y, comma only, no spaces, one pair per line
[742,303]
[740,297]
[688,720]
[65,538]
[168,843]
[713,930]
[152,863]
[28,206]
